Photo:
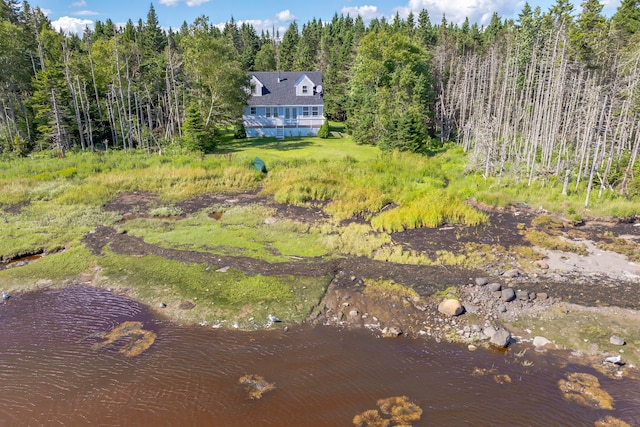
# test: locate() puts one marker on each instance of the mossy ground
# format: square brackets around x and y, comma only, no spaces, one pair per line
[588,329]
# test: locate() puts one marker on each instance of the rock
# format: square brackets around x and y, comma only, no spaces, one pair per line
[532,296]
[391,332]
[489,331]
[508,295]
[470,308]
[616,340]
[162,305]
[522,295]
[541,264]
[514,272]
[542,296]
[540,342]
[501,338]
[502,308]
[223,269]
[186,305]
[270,220]
[354,313]
[450,307]
[481,281]
[495,287]
[472,347]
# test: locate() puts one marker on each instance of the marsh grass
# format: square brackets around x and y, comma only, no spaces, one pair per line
[385,289]
[554,243]
[628,248]
[451,292]
[227,298]
[46,227]
[356,239]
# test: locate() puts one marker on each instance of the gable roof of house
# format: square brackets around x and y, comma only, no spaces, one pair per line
[284,91]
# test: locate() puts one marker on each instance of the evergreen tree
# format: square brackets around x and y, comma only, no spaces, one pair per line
[153,38]
[626,20]
[249,46]
[424,33]
[288,48]
[266,58]
[587,36]
[194,136]
[391,77]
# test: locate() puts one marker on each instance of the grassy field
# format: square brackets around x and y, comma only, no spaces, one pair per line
[48,204]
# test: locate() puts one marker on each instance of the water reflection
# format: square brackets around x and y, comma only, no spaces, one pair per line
[51,373]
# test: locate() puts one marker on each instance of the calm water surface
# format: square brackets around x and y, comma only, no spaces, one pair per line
[50,375]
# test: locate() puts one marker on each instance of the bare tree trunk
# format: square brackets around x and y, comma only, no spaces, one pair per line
[59,143]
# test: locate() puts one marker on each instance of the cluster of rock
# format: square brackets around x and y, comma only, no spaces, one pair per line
[493,303]
[474,315]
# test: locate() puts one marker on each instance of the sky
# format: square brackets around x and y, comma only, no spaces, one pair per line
[75,15]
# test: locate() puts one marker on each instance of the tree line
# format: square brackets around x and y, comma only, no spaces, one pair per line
[551,95]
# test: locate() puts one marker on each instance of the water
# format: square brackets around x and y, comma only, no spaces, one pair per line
[51,375]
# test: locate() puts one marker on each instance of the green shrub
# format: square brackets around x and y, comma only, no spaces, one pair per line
[324,131]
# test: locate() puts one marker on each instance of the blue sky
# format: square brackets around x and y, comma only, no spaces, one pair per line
[74,15]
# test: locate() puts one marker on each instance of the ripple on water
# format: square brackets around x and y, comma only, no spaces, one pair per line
[49,374]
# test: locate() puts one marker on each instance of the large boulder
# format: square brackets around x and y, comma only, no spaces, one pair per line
[508,295]
[481,281]
[615,340]
[522,295]
[501,338]
[495,287]
[450,307]
[539,342]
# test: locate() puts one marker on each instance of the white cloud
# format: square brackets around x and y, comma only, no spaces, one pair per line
[46,12]
[80,3]
[478,11]
[271,25]
[70,25]
[285,16]
[194,3]
[169,3]
[366,12]
[86,13]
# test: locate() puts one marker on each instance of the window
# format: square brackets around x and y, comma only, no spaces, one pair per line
[294,113]
[305,89]
[314,111]
[275,111]
[253,111]
[305,111]
[268,111]
[287,113]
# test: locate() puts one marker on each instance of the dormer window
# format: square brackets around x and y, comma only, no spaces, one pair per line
[256,86]
[304,86]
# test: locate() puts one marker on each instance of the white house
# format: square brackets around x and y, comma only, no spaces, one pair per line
[284,104]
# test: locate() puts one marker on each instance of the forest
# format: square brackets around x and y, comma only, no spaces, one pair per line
[550,96]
